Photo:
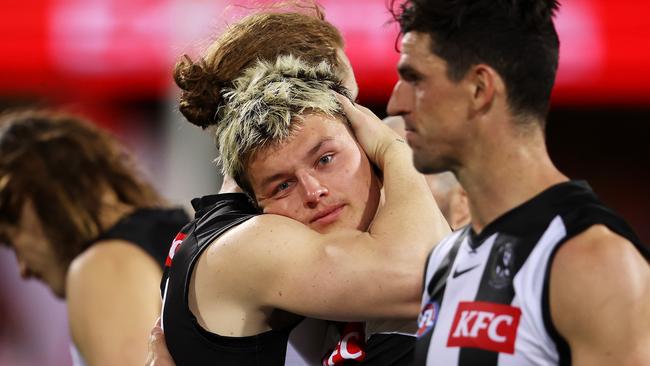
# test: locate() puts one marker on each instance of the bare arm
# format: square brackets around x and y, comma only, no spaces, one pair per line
[113,298]
[279,263]
[600,299]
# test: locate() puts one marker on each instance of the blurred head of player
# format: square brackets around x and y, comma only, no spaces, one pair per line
[63,181]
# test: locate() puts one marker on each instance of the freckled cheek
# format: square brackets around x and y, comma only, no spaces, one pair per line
[357,175]
[288,208]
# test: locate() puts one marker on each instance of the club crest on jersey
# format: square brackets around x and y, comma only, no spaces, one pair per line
[351,347]
[176,245]
[502,265]
[427,318]
[485,325]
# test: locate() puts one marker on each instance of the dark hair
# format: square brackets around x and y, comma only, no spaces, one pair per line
[63,165]
[301,31]
[515,37]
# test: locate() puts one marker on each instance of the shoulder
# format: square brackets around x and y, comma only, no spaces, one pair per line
[109,263]
[112,292]
[110,254]
[269,244]
[267,236]
[264,230]
[598,250]
[596,274]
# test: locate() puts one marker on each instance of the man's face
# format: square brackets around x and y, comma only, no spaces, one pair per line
[36,256]
[434,108]
[320,176]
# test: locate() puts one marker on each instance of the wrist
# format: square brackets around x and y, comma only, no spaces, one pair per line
[397,148]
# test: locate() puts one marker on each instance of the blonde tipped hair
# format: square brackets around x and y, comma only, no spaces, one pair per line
[266,105]
[293,27]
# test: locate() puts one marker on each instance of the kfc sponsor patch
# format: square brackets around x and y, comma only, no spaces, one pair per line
[485,325]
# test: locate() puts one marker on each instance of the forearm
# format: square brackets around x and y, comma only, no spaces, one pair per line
[410,218]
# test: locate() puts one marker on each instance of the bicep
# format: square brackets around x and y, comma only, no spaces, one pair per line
[342,276]
[600,299]
[112,305]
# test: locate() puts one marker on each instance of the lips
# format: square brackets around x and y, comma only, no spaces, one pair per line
[327,215]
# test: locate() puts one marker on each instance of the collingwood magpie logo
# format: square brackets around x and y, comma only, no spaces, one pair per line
[502,265]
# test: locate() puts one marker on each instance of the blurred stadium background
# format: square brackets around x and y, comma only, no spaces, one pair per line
[111,60]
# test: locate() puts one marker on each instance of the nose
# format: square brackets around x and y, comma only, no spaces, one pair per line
[312,187]
[400,99]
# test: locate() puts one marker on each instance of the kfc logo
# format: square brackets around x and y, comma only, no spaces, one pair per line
[485,325]
[176,244]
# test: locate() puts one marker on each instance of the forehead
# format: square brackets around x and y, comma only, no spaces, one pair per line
[415,52]
[309,129]
[314,130]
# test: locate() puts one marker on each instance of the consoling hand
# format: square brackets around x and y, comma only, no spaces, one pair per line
[374,136]
[158,353]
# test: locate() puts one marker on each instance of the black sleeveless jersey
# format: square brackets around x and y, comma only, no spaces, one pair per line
[305,343]
[485,300]
[151,229]
[188,342]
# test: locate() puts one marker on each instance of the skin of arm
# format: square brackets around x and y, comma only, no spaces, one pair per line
[113,298]
[600,299]
[275,262]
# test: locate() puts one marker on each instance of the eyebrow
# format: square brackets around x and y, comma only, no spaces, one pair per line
[407,71]
[311,152]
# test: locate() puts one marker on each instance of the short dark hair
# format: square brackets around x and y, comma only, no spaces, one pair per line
[515,37]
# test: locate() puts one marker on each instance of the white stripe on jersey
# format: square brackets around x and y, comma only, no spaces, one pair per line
[533,345]
[461,288]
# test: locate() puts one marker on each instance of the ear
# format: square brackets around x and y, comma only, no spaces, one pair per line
[485,83]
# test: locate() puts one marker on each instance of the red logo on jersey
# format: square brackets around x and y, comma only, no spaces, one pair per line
[176,244]
[351,346]
[485,325]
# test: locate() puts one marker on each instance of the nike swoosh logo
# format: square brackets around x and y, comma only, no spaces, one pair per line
[458,273]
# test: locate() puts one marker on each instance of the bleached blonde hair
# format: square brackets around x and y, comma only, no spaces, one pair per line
[266,105]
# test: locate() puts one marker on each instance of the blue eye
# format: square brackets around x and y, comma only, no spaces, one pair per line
[283,186]
[326,159]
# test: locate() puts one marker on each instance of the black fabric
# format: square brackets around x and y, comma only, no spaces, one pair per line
[581,210]
[150,229]
[387,350]
[188,342]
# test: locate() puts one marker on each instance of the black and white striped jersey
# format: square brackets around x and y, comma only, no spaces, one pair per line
[485,300]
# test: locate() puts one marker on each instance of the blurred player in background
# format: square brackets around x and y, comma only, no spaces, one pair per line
[81,219]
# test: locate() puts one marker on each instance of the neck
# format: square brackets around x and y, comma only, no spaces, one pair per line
[505,171]
[112,210]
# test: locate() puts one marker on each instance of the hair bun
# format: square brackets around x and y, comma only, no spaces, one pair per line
[200,92]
